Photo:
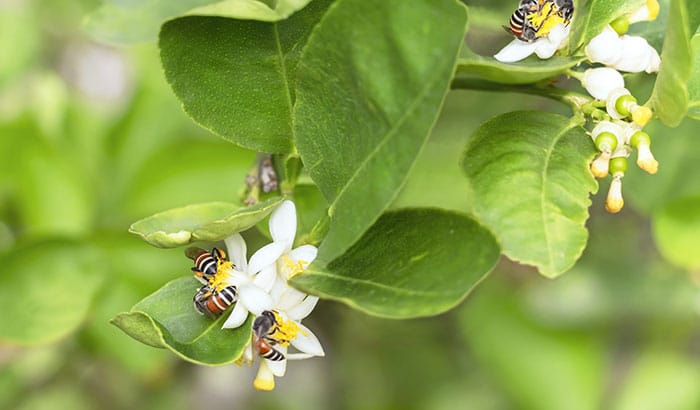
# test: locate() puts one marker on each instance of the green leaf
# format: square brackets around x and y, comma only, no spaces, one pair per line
[46,290]
[538,367]
[694,82]
[590,18]
[531,184]
[524,72]
[369,88]
[209,222]
[236,77]
[167,319]
[670,99]
[677,232]
[412,262]
[129,22]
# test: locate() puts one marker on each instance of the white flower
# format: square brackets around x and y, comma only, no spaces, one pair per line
[251,298]
[289,311]
[544,47]
[627,53]
[647,12]
[599,82]
[288,262]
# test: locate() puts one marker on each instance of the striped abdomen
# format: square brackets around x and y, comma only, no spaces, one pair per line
[268,352]
[212,303]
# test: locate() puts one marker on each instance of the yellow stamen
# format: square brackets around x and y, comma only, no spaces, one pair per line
[264,380]
[285,330]
[653,7]
[218,281]
[293,268]
[641,115]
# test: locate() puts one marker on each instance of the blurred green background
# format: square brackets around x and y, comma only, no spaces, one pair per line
[92,139]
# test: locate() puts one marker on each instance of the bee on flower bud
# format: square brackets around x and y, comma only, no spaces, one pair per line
[211,302]
[265,327]
[206,264]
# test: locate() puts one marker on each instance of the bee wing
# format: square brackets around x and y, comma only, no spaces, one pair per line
[193,252]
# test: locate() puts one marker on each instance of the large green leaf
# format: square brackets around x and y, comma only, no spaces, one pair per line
[677,232]
[524,72]
[46,290]
[209,222]
[236,77]
[531,184]
[670,96]
[129,21]
[370,85]
[694,82]
[591,17]
[412,262]
[167,319]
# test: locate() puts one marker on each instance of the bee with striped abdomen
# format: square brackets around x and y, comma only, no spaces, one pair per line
[264,326]
[212,303]
[534,19]
[206,263]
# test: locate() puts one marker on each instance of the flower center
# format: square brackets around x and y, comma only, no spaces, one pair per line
[293,268]
[218,281]
[284,330]
[546,19]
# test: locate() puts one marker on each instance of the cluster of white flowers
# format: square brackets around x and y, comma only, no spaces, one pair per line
[262,290]
[617,137]
[621,130]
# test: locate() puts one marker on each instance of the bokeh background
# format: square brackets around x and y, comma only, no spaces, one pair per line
[92,139]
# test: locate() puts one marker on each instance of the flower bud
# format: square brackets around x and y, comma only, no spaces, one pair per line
[605,48]
[637,55]
[599,82]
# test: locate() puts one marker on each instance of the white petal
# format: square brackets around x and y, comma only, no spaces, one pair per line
[255,299]
[237,278]
[237,251]
[559,35]
[283,223]
[611,103]
[299,356]
[307,342]
[611,127]
[266,278]
[237,317]
[279,367]
[303,309]
[278,288]
[599,82]
[635,54]
[306,253]
[265,256]
[654,62]
[545,49]
[516,50]
[289,298]
[605,48]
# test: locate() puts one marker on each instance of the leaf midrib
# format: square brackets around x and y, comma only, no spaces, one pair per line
[381,285]
[283,74]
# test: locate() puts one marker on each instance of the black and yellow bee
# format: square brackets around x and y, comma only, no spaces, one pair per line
[534,19]
[264,327]
[212,303]
[206,263]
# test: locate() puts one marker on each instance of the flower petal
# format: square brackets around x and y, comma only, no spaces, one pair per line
[237,251]
[605,48]
[516,50]
[265,280]
[289,298]
[237,317]
[265,256]
[255,299]
[283,223]
[279,367]
[599,82]
[306,253]
[303,309]
[635,54]
[306,342]
[299,356]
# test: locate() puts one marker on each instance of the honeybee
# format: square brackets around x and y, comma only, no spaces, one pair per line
[536,18]
[212,303]
[263,327]
[206,263]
